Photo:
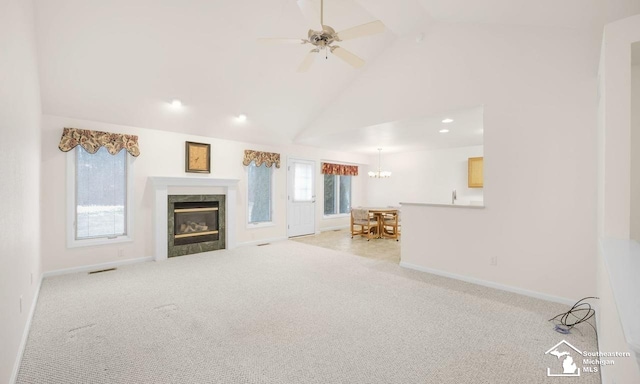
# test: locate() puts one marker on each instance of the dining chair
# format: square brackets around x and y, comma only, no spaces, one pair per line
[366,221]
[391,225]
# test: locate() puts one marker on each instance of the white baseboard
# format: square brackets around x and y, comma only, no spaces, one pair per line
[95,267]
[491,284]
[25,334]
[263,241]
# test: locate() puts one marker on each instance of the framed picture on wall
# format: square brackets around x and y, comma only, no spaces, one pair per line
[197,157]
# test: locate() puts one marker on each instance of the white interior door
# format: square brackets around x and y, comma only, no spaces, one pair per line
[301,197]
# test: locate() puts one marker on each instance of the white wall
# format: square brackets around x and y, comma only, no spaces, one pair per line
[635,151]
[614,182]
[20,175]
[538,90]
[162,154]
[424,177]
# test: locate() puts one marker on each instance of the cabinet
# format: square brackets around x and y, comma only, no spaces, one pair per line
[475,172]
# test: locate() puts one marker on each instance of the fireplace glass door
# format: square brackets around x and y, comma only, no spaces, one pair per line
[196,222]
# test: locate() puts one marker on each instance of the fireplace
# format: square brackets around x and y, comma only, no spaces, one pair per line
[165,186]
[196,224]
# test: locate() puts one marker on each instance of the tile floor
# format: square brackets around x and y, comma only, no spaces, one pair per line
[340,240]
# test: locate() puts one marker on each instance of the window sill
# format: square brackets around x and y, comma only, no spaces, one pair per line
[260,225]
[101,241]
[336,216]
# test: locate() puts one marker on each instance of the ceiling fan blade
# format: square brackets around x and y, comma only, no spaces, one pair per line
[310,13]
[270,41]
[362,30]
[308,60]
[347,56]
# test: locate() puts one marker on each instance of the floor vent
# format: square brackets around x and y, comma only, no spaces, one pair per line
[103,270]
[263,244]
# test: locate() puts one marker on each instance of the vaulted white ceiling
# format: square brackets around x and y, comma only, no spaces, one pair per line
[123,61]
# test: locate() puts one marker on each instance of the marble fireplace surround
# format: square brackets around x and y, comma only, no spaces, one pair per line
[161,187]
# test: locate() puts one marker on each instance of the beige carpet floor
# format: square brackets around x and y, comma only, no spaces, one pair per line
[287,313]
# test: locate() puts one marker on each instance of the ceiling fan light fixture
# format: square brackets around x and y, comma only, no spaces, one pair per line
[324,39]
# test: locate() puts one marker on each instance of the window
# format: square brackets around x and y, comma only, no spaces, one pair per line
[337,194]
[100,200]
[259,194]
[302,182]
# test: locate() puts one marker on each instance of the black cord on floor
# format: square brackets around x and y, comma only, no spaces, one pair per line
[579,313]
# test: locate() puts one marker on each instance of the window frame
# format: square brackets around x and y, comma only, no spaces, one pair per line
[72,242]
[271,223]
[336,193]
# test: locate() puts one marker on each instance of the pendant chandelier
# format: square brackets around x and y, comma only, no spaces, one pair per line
[379,174]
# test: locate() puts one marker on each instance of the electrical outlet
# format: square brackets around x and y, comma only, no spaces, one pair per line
[20,303]
[120,252]
[493,261]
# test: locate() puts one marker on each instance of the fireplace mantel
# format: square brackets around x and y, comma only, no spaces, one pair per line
[161,185]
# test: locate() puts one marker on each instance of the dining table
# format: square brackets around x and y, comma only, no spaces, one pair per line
[380,213]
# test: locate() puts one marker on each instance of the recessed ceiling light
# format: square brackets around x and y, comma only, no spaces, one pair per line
[176,103]
[241,117]
[447,120]
[443,131]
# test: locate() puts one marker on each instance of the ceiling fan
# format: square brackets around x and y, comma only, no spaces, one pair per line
[326,38]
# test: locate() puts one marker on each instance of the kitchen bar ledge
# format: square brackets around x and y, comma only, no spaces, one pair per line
[473,206]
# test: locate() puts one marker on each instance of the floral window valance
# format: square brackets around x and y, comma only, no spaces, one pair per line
[91,141]
[339,169]
[268,158]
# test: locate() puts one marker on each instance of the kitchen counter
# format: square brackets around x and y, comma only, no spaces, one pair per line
[473,206]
